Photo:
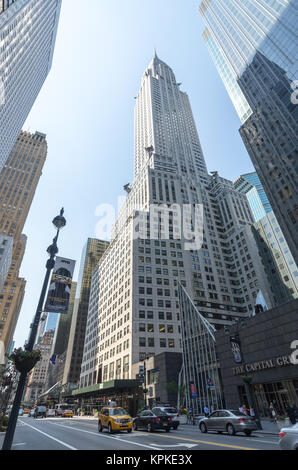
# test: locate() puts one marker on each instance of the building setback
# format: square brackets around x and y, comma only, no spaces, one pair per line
[134,305]
[27,40]
[18,181]
[254,47]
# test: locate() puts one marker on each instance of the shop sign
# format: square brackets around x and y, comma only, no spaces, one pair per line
[262,365]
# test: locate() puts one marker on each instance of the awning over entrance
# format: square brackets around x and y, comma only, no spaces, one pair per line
[103,388]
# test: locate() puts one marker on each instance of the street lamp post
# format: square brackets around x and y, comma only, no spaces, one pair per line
[59,222]
[247,383]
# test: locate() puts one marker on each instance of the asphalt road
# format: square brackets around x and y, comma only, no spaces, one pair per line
[81,434]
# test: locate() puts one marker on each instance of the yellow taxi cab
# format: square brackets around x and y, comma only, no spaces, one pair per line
[67,414]
[26,411]
[114,418]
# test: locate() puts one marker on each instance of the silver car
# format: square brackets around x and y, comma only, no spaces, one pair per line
[288,438]
[230,421]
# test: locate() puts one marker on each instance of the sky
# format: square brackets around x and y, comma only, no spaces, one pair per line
[86,109]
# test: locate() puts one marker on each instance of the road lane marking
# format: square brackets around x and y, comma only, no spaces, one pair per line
[266,442]
[206,442]
[148,446]
[189,446]
[50,437]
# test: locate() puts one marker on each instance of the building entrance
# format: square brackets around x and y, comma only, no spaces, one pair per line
[280,394]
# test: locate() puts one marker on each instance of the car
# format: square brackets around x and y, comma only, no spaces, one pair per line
[58,411]
[50,413]
[21,411]
[151,421]
[114,418]
[67,414]
[170,411]
[230,421]
[31,413]
[288,438]
[40,411]
[26,411]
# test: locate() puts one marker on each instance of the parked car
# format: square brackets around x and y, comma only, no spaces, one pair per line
[152,421]
[50,413]
[230,421]
[114,418]
[67,414]
[170,411]
[288,438]
[40,411]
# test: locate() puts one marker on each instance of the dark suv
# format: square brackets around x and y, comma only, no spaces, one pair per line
[152,421]
[169,411]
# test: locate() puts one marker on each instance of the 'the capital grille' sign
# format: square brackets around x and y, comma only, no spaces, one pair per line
[262,365]
[60,286]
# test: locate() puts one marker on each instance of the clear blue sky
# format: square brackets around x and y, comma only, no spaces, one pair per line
[86,109]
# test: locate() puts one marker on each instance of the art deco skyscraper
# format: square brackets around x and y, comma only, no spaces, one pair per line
[134,305]
[27,39]
[254,47]
[18,181]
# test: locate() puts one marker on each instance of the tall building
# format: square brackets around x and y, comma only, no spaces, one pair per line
[277,258]
[6,244]
[18,181]
[254,47]
[38,376]
[92,252]
[163,238]
[27,39]
[250,185]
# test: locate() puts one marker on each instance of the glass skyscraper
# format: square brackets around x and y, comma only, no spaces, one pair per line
[250,185]
[273,248]
[27,40]
[254,47]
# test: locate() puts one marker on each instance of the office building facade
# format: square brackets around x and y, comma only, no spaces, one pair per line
[277,258]
[6,244]
[254,47]
[92,252]
[134,304]
[18,181]
[27,39]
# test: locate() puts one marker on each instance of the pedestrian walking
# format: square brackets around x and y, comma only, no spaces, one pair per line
[273,413]
[241,409]
[244,410]
[291,412]
[206,411]
[252,413]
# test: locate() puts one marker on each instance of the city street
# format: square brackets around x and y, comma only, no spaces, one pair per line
[81,434]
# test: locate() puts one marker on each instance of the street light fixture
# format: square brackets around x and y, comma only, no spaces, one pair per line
[58,222]
[247,379]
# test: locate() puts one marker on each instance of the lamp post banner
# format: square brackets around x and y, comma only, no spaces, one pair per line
[236,348]
[60,286]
